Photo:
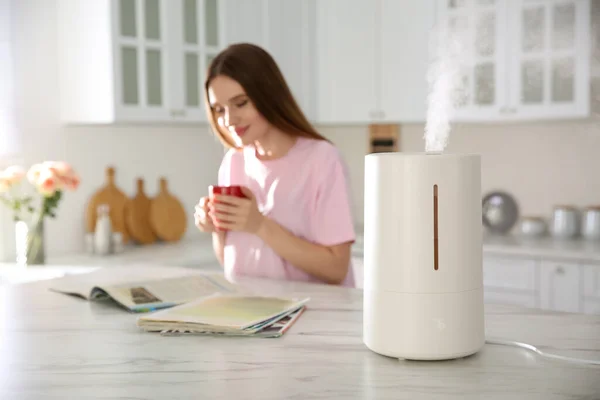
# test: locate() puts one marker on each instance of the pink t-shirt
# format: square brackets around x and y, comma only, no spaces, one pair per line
[306,191]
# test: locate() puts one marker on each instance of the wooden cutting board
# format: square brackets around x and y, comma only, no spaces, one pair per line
[137,216]
[167,216]
[112,196]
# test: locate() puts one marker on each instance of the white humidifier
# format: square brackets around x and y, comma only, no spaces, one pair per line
[423,279]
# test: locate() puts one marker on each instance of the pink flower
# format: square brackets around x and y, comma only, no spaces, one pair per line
[50,176]
[47,182]
[13,174]
[67,177]
[34,172]
[10,177]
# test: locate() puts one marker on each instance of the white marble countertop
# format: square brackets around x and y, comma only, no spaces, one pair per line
[57,346]
[197,252]
[194,251]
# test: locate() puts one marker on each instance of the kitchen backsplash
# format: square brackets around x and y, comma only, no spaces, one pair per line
[540,164]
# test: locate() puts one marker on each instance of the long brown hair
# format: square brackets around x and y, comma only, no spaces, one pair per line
[257,72]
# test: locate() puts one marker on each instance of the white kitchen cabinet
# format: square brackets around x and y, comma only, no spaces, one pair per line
[291,40]
[525,59]
[286,29]
[476,34]
[591,288]
[246,21]
[135,60]
[404,60]
[347,61]
[551,64]
[560,286]
[510,280]
[198,38]
[547,283]
[372,59]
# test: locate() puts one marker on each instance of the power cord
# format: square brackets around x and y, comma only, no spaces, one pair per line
[541,353]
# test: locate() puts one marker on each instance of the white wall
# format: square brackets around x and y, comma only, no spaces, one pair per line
[187,156]
[9,143]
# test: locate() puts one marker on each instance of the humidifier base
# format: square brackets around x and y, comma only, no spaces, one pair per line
[424,326]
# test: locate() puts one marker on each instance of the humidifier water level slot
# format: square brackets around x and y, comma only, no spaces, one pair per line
[435,228]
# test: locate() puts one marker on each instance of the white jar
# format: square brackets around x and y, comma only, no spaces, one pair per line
[565,222]
[532,227]
[103,233]
[590,228]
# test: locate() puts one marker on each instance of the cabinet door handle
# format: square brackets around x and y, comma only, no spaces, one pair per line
[560,270]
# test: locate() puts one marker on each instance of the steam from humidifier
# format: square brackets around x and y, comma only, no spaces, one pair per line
[445,78]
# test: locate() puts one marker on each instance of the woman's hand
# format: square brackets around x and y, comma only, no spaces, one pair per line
[202,218]
[236,213]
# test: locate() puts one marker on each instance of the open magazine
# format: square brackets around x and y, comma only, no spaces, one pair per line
[228,315]
[144,288]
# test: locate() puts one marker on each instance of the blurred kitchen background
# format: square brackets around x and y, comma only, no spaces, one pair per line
[119,83]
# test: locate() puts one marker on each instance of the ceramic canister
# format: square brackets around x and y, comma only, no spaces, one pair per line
[590,227]
[565,222]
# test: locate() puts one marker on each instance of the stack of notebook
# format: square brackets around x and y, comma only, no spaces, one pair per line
[227,315]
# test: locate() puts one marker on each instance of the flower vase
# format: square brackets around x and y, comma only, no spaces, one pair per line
[30,242]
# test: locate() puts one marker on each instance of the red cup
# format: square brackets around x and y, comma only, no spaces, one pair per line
[233,190]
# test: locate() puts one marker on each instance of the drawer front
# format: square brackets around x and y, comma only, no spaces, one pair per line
[560,286]
[509,273]
[591,281]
